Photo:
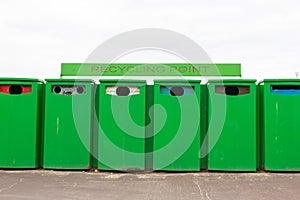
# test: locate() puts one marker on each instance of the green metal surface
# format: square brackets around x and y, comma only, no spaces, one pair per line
[258,128]
[203,130]
[176,140]
[281,80]
[67,127]
[167,81]
[68,80]
[20,79]
[149,127]
[280,127]
[20,126]
[150,69]
[121,81]
[232,122]
[122,119]
[232,81]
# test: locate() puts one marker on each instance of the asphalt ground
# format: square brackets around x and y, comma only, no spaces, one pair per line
[42,184]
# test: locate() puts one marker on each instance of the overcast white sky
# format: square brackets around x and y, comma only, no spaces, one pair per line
[262,35]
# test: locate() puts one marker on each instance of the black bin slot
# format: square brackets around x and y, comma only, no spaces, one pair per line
[15,89]
[232,90]
[285,87]
[176,91]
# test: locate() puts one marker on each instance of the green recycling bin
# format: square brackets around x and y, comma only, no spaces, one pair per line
[280,100]
[20,122]
[177,124]
[233,131]
[121,117]
[68,124]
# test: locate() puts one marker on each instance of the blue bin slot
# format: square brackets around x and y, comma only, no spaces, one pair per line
[285,89]
[177,90]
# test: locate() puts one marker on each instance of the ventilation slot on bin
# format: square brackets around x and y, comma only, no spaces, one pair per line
[285,89]
[122,90]
[68,89]
[15,89]
[176,90]
[232,90]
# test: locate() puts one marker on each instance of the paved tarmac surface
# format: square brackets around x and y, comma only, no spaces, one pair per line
[40,184]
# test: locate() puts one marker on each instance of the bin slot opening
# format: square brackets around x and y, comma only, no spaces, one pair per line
[15,89]
[232,90]
[68,89]
[177,90]
[285,89]
[122,90]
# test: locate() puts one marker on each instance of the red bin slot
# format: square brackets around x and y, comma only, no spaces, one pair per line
[15,89]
